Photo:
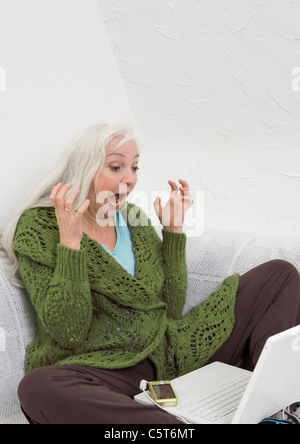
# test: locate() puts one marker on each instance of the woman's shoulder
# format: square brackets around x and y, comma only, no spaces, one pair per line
[39,218]
[37,231]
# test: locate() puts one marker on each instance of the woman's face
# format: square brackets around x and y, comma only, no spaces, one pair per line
[118,176]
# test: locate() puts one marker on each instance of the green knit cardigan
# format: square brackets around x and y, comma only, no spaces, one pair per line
[90,311]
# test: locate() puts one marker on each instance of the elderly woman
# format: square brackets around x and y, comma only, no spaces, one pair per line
[108,293]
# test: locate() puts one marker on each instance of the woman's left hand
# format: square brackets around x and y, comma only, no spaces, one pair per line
[173,214]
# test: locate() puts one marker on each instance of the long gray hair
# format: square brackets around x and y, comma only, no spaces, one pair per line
[83,157]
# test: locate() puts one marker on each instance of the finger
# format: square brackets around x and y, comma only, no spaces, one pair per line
[54,192]
[184,189]
[184,183]
[83,208]
[71,199]
[173,186]
[61,195]
[158,207]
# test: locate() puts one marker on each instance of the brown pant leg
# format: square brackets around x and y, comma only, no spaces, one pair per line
[268,302]
[85,395]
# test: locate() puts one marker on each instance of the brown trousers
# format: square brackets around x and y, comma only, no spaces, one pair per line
[268,302]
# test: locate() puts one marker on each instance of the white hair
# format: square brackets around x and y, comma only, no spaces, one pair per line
[83,157]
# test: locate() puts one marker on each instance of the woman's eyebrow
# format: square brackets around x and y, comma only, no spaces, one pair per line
[119,154]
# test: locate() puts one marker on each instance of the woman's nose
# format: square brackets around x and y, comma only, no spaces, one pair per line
[129,178]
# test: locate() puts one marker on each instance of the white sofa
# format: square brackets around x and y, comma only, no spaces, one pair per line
[210,258]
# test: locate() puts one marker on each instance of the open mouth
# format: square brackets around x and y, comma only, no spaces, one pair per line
[120,198]
[109,199]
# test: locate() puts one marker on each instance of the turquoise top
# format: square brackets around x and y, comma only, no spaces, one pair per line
[123,252]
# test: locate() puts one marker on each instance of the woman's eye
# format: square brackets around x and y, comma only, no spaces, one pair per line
[118,168]
[114,168]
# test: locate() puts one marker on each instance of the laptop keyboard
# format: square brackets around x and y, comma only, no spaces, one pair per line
[213,406]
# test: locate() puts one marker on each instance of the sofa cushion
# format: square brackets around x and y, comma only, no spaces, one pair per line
[218,254]
[210,259]
[17,325]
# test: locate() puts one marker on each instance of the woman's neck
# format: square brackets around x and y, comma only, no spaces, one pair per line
[102,230]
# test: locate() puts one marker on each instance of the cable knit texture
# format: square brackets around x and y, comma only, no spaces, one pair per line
[90,311]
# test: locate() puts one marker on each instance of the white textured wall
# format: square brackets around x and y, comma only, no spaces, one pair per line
[210,84]
[57,75]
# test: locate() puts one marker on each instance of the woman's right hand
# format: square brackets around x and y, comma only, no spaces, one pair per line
[69,221]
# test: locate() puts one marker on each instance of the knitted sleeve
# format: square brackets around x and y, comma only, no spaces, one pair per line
[56,279]
[175,270]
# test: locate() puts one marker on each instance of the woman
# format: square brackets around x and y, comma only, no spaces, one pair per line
[109,294]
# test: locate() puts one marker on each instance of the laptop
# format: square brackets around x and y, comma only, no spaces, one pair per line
[221,394]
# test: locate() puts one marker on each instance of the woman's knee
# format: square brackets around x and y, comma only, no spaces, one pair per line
[284,268]
[272,276]
[284,279]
